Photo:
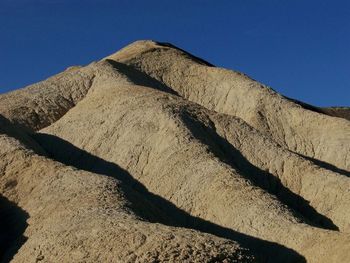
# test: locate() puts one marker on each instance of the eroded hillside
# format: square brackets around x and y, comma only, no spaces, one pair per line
[152,154]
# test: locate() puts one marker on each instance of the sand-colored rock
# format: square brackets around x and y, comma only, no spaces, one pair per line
[152,154]
[71,215]
[290,124]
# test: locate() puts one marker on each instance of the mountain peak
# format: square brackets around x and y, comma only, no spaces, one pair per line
[154,155]
[140,47]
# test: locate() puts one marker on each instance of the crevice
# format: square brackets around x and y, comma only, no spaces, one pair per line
[13,222]
[12,130]
[140,78]
[325,165]
[62,110]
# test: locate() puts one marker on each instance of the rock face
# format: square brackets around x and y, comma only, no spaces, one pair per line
[154,155]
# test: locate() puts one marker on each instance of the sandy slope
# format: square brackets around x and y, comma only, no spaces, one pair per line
[70,215]
[153,154]
[291,125]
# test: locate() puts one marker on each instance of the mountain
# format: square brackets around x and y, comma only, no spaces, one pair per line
[154,155]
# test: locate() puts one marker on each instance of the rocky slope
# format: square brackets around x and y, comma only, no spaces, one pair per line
[152,154]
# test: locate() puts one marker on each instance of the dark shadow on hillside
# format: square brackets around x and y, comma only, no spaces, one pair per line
[325,165]
[225,151]
[65,152]
[187,54]
[140,78]
[339,112]
[13,222]
[19,133]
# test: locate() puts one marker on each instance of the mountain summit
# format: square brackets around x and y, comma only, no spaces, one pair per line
[154,155]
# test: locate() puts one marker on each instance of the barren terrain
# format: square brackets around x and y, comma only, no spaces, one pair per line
[154,155]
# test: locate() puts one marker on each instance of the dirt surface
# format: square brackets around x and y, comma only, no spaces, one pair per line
[154,155]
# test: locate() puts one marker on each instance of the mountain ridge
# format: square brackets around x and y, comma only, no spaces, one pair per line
[185,145]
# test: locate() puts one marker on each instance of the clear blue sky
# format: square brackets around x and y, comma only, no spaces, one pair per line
[301,48]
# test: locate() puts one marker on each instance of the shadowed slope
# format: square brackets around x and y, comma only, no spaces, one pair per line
[12,226]
[68,154]
[307,132]
[41,104]
[153,154]
[77,215]
[341,112]
[160,145]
